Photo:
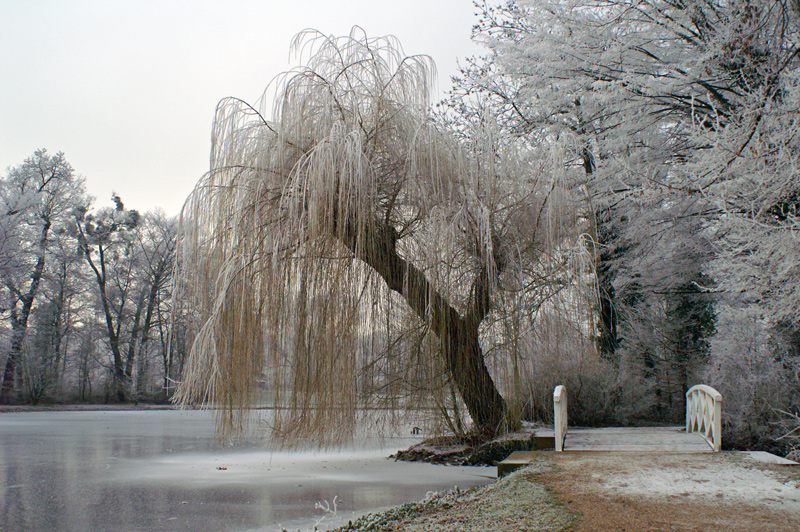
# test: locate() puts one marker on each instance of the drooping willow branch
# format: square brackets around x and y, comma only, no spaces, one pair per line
[345,255]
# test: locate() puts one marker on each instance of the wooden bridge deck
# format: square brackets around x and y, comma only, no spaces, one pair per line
[636,439]
[662,440]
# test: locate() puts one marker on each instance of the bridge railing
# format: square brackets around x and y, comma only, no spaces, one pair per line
[704,414]
[560,416]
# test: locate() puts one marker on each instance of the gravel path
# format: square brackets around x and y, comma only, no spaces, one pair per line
[722,491]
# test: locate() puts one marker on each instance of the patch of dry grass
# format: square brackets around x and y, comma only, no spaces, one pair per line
[516,502]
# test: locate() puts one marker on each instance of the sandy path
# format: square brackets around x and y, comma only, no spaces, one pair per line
[638,492]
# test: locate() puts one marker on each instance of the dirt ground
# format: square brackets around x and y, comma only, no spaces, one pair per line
[607,492]
[682,492]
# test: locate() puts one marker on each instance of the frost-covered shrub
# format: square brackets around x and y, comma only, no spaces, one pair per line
[591,388]
[556,352]
[757,377]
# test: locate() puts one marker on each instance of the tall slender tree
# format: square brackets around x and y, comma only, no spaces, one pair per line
[156,245]
[107,242]
[614,82]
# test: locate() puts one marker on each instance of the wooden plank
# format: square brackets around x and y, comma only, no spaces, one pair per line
[515,460]
[769,458]
[636,439]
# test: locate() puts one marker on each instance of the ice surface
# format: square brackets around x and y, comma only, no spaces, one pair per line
[163,470]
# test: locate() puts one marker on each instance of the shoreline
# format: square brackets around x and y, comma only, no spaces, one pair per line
[518,501]
[88,407]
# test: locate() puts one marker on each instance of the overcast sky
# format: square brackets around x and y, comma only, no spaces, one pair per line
[127,89]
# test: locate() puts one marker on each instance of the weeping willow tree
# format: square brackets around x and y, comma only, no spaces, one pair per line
[351,253]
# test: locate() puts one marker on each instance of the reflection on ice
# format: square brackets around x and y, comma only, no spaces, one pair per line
[163,470]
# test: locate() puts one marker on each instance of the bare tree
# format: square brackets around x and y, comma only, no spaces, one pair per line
[38,197]
[353,211]
[156,245]
[106,241]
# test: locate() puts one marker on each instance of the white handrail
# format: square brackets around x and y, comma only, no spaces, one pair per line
[560,416]
[704,414]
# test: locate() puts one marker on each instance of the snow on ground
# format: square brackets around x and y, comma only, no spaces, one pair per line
[726,477]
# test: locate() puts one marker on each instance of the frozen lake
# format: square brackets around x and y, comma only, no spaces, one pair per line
[164,471]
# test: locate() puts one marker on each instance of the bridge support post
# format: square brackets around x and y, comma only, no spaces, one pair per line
[560,416]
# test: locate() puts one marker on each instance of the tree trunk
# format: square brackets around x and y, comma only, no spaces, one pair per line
[19,322]
[144,332]
[458,336]
[135,332]
[119,378]
[464,357]
[10,371]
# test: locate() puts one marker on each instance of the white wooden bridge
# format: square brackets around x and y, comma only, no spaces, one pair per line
[701,434]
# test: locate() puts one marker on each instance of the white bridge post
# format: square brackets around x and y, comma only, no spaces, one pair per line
[560,416]
[704,414]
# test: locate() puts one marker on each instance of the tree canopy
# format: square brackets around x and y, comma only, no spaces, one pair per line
[688,103]
[359,254]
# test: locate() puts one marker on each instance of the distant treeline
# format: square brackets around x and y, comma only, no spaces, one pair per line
[85,294]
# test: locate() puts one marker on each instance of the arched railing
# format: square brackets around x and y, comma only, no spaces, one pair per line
[704,414]
[560,416]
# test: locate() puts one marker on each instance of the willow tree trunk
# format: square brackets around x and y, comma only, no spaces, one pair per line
[464,357]
[458,335]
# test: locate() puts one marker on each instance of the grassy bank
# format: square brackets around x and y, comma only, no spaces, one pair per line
[516,502]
